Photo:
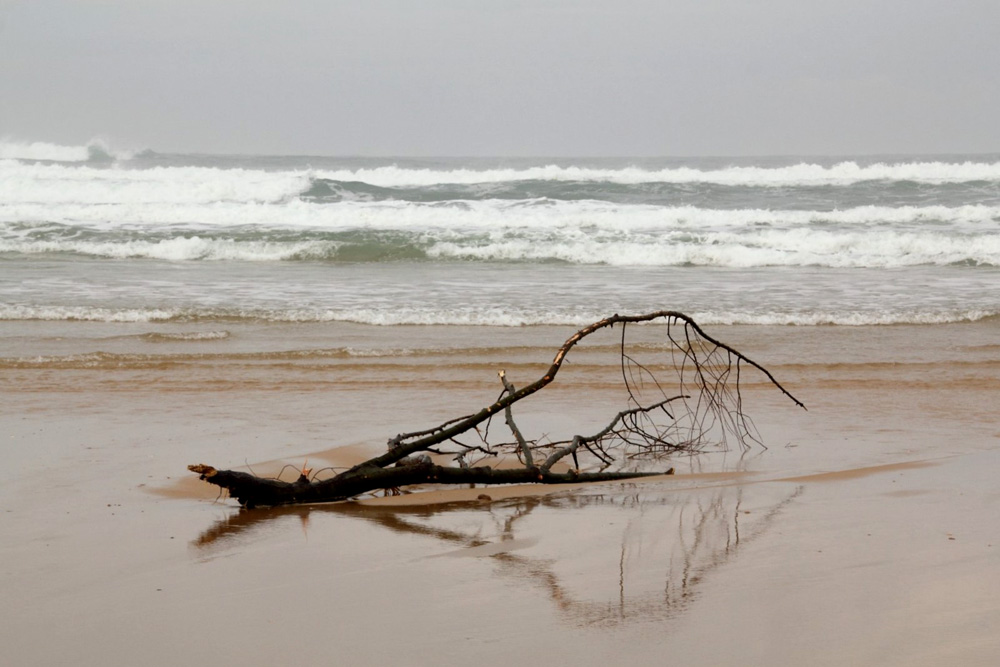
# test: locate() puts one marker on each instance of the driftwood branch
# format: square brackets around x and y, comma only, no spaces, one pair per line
[522,445]
[709,393]
[586,441]
[252,491]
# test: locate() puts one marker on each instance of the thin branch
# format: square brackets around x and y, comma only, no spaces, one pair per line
[521,444]
[587,440]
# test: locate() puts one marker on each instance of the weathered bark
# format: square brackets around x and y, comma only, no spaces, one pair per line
[647,430]
[252,491]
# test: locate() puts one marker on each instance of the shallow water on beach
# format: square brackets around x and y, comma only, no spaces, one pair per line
[339,384]
[110,416]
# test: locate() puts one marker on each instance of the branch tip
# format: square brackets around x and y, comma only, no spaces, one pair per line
[203,470]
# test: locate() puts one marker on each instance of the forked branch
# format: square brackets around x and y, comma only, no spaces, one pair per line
[712,410]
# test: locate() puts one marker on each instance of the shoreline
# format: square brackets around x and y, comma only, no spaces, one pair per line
[842,528]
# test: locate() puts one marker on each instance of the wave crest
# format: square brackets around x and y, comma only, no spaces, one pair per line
[751,245]
[95,150]
[802,174]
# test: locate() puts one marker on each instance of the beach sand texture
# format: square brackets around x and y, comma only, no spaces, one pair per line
[865,534]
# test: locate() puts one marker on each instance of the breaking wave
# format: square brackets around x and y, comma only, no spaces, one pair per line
[94,235]
[268,203]
[53,179]
[843,173]
[95,151]
[679,238]
[50,186]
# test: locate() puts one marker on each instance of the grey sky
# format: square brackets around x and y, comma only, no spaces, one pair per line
[483,77]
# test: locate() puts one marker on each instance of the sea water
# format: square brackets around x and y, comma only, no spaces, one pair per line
[252,312]
[87,234]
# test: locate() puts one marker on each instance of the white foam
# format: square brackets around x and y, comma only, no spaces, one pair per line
[512,317]
[503,315]
[843,173]
[849,247]
[85,313]
[494,316]
[40,150]
[50,185]
[844,318]
[270,203]
[67,191]
[796,247]
[192,336]
[183,248]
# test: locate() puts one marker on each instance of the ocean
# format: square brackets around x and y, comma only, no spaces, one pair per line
[271,313]
[87,234]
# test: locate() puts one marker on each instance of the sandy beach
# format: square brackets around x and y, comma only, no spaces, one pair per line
[864,534]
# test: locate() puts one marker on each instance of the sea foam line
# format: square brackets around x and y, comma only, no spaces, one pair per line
[96,150]
[489,316]
[486,214]
[642,238]
[802,174]
[52,184]
[843,173]
[850,247]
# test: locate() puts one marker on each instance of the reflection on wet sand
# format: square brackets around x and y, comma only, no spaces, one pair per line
[603,559]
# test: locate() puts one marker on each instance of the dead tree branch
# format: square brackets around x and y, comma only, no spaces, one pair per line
[710,396]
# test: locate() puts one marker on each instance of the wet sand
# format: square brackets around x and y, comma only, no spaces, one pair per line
[865,534]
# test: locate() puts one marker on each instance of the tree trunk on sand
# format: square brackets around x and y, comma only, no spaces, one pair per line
[708,397]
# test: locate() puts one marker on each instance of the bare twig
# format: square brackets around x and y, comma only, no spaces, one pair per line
[523,447]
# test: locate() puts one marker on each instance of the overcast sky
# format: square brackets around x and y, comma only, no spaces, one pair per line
[504,77]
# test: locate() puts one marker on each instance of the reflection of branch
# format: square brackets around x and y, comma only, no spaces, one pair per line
[239,525]
[709,526]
